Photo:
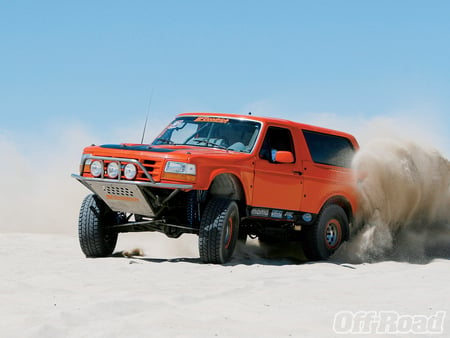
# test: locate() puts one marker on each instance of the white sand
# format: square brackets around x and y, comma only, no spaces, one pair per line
[49,289]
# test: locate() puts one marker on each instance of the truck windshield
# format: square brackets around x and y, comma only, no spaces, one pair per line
[205,131]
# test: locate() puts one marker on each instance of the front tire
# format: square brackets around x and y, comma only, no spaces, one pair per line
[219,231]
[327,234]
[94,217]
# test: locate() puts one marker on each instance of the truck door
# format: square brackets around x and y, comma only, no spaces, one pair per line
[277,185]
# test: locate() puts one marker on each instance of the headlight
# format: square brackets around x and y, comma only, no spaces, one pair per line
[180,168]
[130,171]
[113,169]
[96,168]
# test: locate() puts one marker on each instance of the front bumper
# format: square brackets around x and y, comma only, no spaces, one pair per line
[130,196]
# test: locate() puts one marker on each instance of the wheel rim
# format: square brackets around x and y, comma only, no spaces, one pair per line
[228,232]
[333,234]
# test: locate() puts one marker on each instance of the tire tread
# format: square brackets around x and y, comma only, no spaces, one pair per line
[313,236]
[210,236]
[90,228]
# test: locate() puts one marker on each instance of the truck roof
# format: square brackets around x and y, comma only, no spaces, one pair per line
[278,121]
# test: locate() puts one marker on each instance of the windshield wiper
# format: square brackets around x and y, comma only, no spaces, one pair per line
[212,144]
[164,140]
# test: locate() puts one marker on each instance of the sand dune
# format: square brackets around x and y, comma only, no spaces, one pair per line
[48,289]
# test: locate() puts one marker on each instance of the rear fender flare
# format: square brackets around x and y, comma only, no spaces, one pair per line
[342,202]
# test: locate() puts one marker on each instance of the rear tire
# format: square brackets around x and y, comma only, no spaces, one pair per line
[322,239]
[219,231]
[94,217]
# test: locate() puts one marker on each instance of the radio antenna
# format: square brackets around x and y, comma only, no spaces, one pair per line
[146,117]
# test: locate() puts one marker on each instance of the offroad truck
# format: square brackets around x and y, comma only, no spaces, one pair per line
[223,177]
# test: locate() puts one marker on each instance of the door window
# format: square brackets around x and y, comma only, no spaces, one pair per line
[277,139]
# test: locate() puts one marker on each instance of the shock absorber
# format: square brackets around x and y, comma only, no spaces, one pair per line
[193,214]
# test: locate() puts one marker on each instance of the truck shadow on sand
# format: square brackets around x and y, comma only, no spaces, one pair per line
[292,254]
[244,255]
[233,262]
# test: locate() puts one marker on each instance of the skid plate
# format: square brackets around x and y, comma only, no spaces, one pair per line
[125,197]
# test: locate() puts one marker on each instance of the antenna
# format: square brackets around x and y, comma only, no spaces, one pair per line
[146,117]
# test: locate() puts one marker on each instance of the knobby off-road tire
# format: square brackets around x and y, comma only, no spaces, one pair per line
[322,239]
[95,215]
[219,230]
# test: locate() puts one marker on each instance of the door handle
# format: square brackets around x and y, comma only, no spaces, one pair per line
[298,172]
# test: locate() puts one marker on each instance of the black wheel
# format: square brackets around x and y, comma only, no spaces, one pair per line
[94,217]
[327,234]
[219,230]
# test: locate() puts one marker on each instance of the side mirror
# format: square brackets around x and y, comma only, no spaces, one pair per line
[283,157]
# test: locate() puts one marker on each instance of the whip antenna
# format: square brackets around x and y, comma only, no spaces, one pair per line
[146,117]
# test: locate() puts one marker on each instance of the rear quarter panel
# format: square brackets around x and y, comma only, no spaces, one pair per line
[323,182]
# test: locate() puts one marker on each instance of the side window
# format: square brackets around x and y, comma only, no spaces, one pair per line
[329,149]
[276,139]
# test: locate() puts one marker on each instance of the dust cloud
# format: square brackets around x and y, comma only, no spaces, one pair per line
[37,193]
[404,196]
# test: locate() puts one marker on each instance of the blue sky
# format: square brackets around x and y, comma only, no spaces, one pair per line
[93,64]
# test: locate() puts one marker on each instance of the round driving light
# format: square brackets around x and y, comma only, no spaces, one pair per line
[96,168]
[113,169]
[130,171]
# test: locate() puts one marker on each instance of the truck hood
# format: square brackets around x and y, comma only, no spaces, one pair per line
[161,151]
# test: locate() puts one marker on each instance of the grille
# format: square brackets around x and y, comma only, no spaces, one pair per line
[153,168]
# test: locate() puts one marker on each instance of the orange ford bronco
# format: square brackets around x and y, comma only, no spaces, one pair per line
[223,177]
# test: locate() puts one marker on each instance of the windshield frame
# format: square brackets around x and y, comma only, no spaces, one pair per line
[211,126]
